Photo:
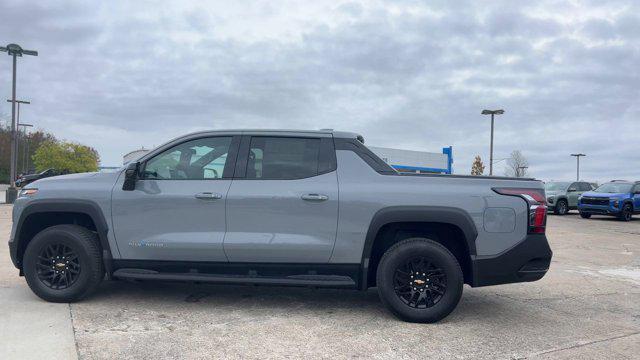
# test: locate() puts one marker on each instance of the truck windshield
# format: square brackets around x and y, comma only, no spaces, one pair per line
[556,186]
[614,188]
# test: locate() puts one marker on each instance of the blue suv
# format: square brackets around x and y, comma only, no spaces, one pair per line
[617,198]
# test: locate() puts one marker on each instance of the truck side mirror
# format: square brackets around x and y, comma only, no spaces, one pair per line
[131,176]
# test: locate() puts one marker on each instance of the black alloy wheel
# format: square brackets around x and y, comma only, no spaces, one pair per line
[63,263]
[626,213]
[419,283]
[562,207]
[419,280]
[58,266]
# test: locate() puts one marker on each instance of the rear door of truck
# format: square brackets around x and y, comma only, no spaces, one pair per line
[282,205]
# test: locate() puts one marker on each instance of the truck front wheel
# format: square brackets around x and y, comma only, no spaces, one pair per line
[62,263]
[585,215]
[626,213]
[562,208]
[419,280]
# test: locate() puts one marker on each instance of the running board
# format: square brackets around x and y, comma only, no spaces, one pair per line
[292,280]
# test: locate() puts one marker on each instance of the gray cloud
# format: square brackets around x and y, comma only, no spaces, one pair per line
[409,75]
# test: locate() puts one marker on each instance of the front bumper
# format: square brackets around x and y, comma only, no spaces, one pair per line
[13,252]
[598,210]
[527,261]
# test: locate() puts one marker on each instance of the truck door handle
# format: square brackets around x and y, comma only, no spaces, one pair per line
[314,197]
[208,196]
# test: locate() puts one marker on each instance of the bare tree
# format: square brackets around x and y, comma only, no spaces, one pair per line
[517,165]
[478,167]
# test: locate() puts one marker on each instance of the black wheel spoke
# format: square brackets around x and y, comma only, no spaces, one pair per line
[419,282]
[58,266]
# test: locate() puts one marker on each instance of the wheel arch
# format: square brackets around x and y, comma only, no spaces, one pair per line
[404,218]
[41,214]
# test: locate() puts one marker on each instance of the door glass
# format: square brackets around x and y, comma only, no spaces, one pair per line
[199,159]
[283,158]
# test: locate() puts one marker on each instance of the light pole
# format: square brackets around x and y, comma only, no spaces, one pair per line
[25,161]
[14,50]
[492,113]
[578,165]
[18,130]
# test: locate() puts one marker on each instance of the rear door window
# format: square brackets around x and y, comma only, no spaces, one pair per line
[283,158]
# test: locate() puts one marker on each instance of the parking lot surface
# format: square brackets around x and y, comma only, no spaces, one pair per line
[588,306]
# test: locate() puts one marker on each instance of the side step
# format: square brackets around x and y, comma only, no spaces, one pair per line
[292,280]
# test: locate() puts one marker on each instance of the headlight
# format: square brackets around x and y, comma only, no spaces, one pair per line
[616,202]
[550,199]
[27,192]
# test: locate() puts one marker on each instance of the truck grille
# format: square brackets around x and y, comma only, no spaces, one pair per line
[595,201]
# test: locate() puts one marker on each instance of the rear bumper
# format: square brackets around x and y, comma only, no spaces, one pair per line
[527,261]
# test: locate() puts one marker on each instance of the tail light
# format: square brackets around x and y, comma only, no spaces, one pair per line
[536,203]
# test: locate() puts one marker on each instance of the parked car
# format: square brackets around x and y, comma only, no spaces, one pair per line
[297,208]
[29,178]
[562,196]
[616,198]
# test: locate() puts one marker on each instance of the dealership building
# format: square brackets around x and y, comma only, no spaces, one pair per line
[420,162]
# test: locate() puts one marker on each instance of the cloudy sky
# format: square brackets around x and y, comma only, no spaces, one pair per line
[406,74]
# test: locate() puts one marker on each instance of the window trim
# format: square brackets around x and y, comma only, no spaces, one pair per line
[229,165]
[368,156]
[326,155]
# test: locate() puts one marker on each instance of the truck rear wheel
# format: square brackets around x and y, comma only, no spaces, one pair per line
[62,263]
[419,280]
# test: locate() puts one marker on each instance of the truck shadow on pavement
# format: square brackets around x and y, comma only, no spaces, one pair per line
[274,301]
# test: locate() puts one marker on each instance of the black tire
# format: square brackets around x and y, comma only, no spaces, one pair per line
[73,251]
[390,273]
[585,215]
[562,207]
[626,213]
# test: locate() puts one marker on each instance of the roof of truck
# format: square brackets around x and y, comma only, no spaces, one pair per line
[335,133]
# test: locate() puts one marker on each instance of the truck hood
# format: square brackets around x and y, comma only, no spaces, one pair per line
[69,179]
[553,193]
[603,195]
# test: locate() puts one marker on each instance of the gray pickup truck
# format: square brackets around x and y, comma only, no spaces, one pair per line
[288,208]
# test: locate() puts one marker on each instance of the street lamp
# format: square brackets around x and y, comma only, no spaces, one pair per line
[492,113]
[25,162]
[18,124]
[578,165]
[14,50]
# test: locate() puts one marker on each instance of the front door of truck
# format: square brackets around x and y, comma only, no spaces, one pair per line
[177,209]
[572,194]
[283,203]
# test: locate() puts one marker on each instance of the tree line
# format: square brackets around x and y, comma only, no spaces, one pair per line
[517,165]
[40,150]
